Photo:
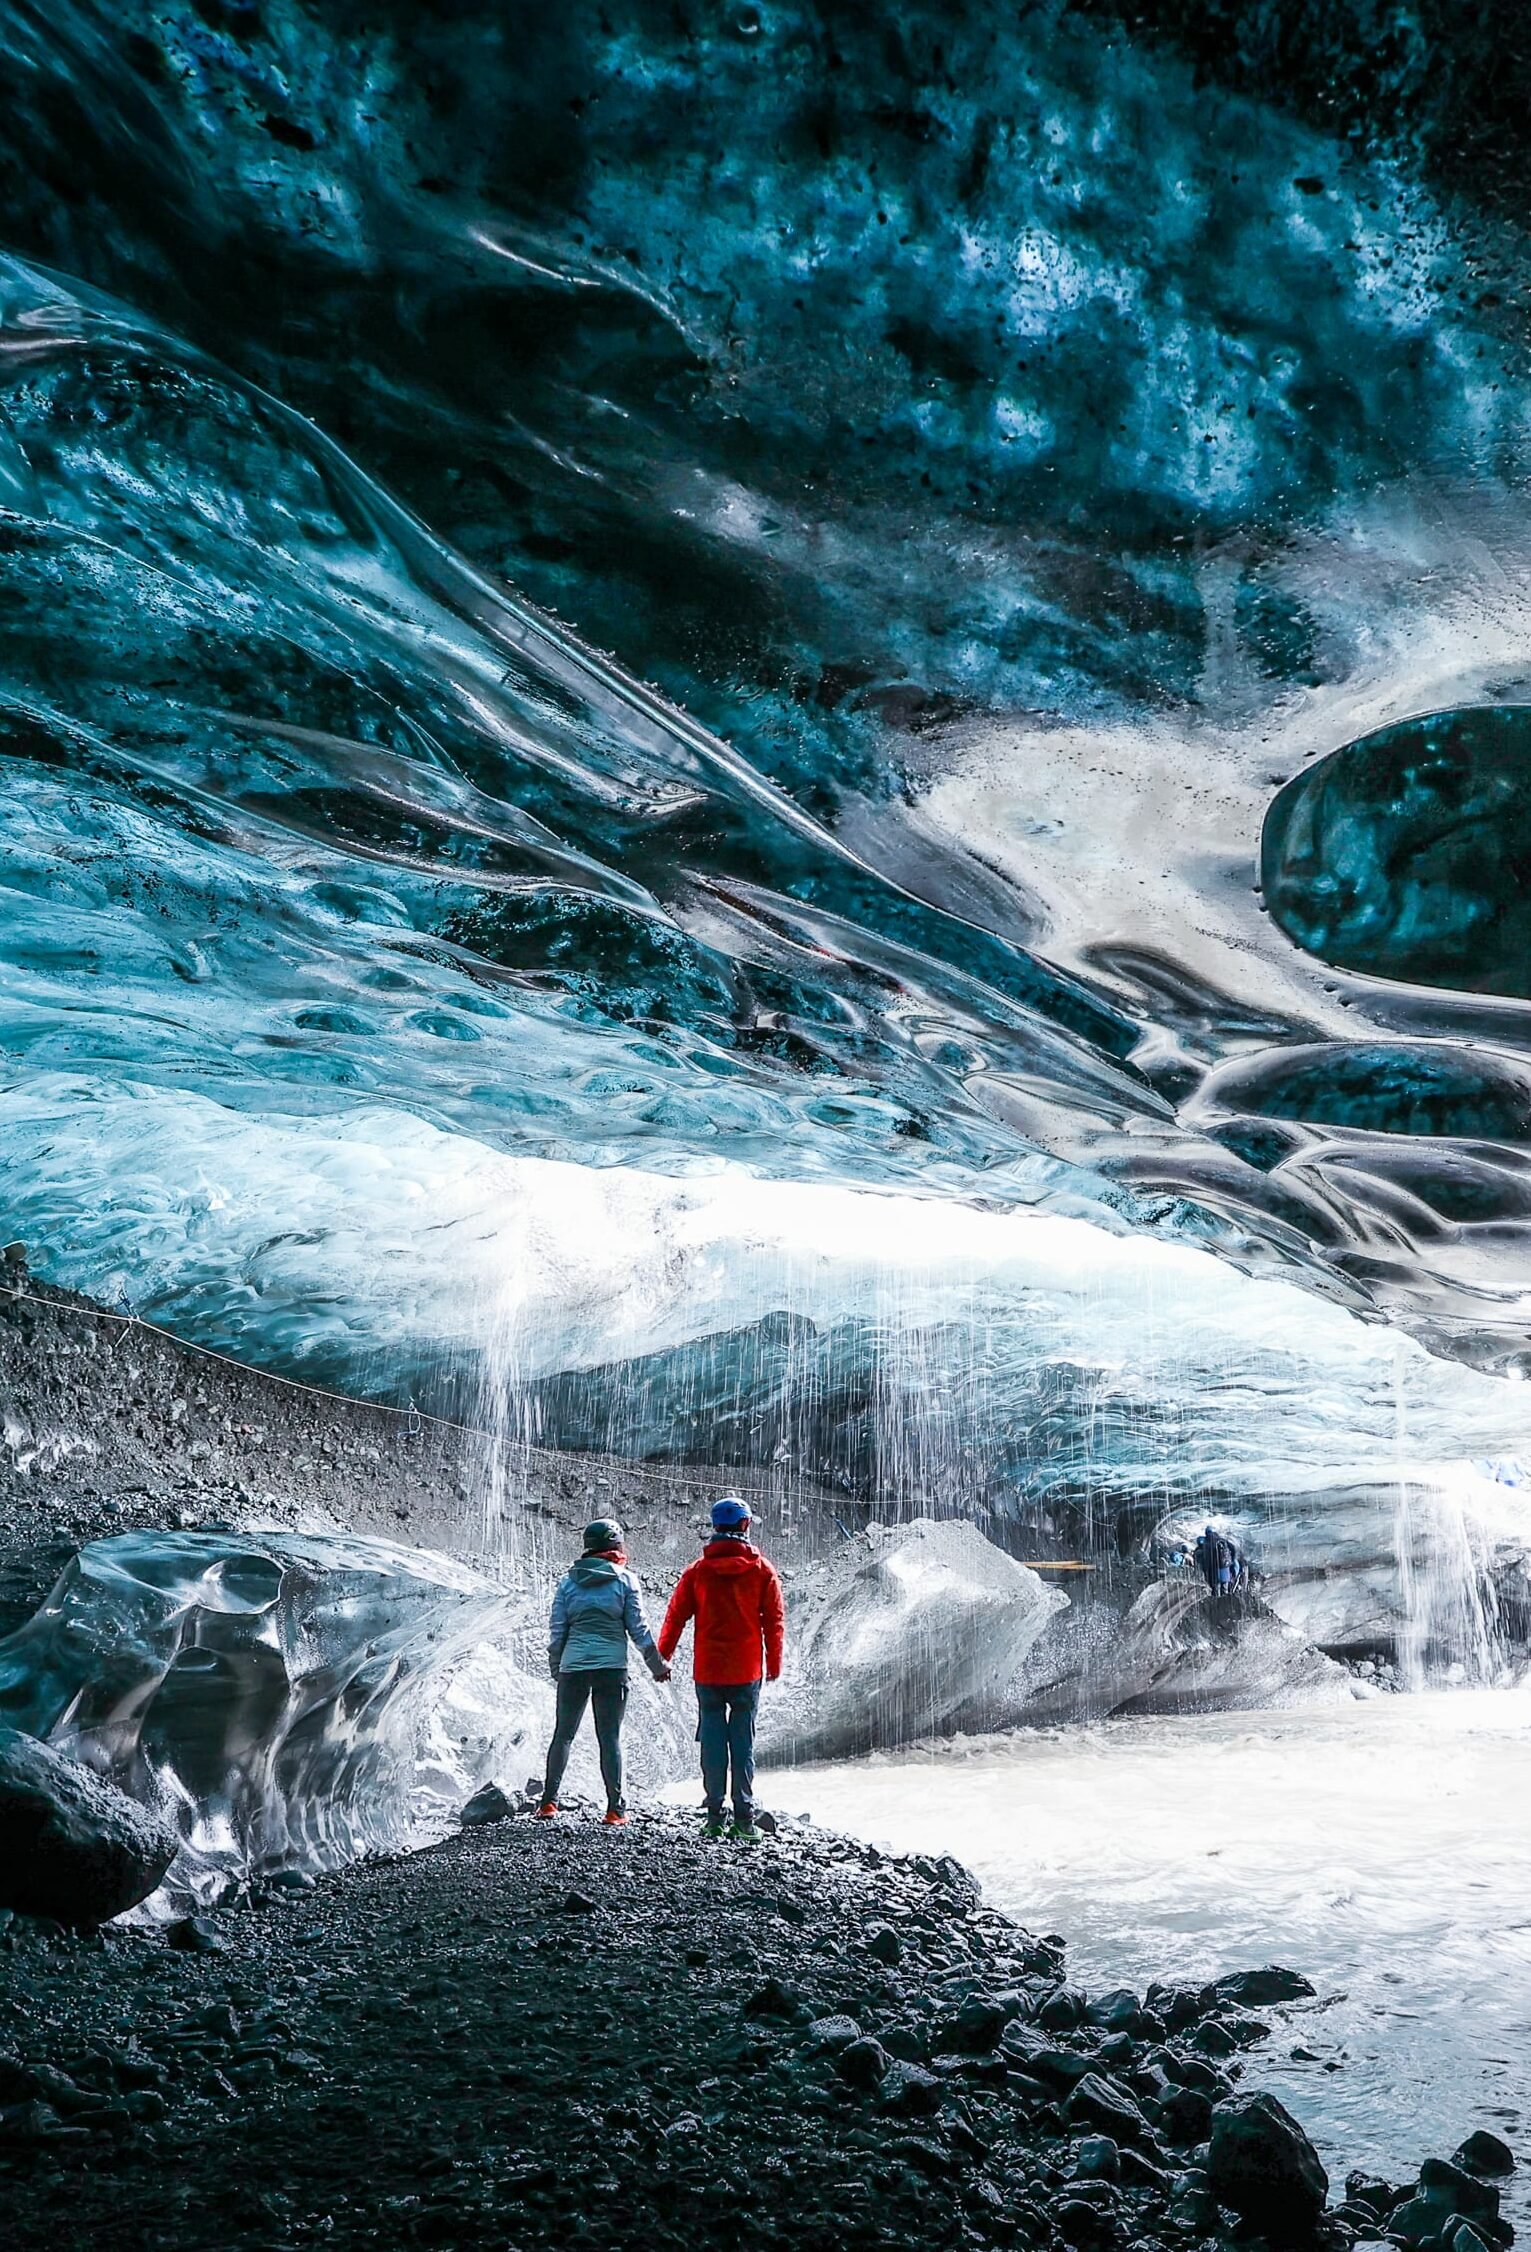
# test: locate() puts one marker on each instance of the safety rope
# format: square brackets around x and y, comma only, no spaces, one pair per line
[414,1418]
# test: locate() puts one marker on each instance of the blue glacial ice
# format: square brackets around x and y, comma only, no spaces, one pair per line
[1047,488]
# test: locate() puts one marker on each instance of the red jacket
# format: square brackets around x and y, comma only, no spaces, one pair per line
[735,1598]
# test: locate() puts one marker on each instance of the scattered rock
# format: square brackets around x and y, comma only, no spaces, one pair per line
[72,1846]
[1096,2103]
[195,1935]
[1263,2166]
[911,2089]
[487,1805]
[1259,1989]
[884,1945]
[1485,2154]
[772,1999]
[577,1904]
[863,2064]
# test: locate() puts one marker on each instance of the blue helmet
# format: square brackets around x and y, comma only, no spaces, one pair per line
[730,1514]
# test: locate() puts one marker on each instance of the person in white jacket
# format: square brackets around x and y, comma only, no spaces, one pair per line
[597,1611]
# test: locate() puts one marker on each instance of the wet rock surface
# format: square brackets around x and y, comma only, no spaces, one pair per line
[72,1847]
[712,2049]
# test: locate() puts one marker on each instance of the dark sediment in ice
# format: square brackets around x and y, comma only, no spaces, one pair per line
[107,1430]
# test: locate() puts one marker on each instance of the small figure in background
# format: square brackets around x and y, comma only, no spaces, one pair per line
[735,1598]
[597,1611]
[1222,1567]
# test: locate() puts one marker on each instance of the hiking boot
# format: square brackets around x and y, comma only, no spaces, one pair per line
[745,1833]
[714,1826]
[547,1810]
[614,1819]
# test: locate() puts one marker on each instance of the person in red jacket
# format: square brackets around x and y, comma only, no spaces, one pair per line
[734,1596]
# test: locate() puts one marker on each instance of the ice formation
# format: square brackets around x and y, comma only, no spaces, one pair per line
[284,1698]
[905,1633]
[1059,480]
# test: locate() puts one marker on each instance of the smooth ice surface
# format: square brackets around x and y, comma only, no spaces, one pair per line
[1020,446]
[1381,1849]
[284,1697]
[1018,451]
[898,1633]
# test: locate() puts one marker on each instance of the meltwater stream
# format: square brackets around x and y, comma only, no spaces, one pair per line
[1381,1848]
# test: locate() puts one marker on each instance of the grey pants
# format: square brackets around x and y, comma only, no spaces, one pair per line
[605,1689]
[725,1729]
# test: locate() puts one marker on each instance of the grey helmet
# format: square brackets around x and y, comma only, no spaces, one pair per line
[602,1532]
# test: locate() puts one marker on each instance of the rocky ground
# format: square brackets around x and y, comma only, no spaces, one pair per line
[556,2034]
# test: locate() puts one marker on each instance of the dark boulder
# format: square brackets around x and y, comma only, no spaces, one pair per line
[1258,1989]
[1088,2223]
[1063,2011]
[906,2042]
[1212,2039]
[1178,2007]
[1116,2012]
[196,1935]
[772,1999]
[910,2089]
[1185,2116]
[863,2064]
[975,2028]
[72,1846]
[487,1805]
[1484,2154]
[833,2033]
[1445,2194]
[1263,2166]
[1110,2111]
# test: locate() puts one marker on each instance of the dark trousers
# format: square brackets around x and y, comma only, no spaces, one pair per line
[605,1689]
[725,1729]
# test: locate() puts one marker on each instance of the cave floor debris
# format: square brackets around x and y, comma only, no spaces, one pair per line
[553,2034]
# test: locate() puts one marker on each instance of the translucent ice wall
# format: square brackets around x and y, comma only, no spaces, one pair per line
[1043,467]
[280,1696]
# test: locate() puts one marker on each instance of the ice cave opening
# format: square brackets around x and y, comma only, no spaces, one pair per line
[784,750]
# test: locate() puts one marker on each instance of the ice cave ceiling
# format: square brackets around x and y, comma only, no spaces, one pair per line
[1066,484]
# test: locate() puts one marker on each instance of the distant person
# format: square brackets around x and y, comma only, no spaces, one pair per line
[1222,1567]
[735,1598]
[597,1611]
